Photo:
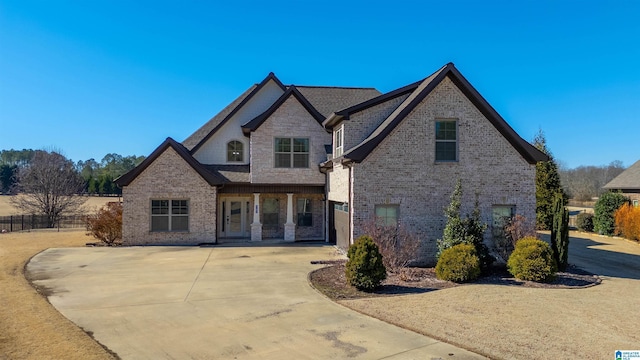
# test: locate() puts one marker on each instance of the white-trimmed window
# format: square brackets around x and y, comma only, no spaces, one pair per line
[235,151]
[446,140]
[387,215]
[305,216]
[338,141]
[635,203]
[169,215]
[291,152]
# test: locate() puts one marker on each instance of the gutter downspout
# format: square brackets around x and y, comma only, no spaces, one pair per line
[350,203]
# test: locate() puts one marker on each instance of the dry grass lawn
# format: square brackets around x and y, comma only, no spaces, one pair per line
[30,328]
[93,203]
[505,322]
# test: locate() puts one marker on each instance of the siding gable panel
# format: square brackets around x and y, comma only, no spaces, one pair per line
[214,150]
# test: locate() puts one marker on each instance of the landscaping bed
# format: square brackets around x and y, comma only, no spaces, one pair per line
[331,281]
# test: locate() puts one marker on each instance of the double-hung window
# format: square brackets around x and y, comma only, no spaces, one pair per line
[305,216]
[291,153]
[169,215]
[446,140]
[338,141]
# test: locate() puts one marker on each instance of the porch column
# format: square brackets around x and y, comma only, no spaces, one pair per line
[289,226]
[256,227]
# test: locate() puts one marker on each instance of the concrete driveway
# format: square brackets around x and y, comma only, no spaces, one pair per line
[249,302]
[605,256]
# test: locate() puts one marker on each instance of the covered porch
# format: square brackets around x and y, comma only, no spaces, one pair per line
[248,212]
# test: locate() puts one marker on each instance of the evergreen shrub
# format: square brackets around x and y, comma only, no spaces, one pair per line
[459,263]
[365,269]
[532,260]
[605,208]
[584,222]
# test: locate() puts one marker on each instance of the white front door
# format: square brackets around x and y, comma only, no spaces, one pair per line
[235,217]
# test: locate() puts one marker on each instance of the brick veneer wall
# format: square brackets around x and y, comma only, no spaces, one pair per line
[316,231]
[361,124]
[290,120]
[402,170]
[169,177]
[338,183]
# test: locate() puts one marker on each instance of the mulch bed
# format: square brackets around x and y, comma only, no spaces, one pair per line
[331,281]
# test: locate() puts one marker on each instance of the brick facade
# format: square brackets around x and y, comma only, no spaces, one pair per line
[402,170]
[398,168]
[169,177]
[289,120]
[363,123]
[338,183]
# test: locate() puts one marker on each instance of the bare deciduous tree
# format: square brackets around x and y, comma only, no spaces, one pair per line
[48,186]
[585,182]
[398,246]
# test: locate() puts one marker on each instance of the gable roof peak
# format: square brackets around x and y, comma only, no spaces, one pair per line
[182,151]
[254,90]
[255,123]
[424,88]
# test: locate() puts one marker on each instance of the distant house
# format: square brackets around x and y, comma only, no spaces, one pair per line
[628,182]
[300,163]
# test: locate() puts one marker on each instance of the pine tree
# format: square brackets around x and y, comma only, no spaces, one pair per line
[453,233]
[469,230]
[547,184]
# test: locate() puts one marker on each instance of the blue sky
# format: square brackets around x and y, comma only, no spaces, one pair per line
[94,77]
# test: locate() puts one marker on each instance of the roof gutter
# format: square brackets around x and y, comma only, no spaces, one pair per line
[330,121]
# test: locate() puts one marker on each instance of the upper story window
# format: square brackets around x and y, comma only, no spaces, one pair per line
[446,140]
[169,215]
[338,141]
[291,153]
[235,151]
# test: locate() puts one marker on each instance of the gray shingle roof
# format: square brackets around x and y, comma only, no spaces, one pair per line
[205,129]
[329,99]
[627,180]
[232,173]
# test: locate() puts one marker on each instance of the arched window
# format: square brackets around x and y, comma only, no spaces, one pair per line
[234,151]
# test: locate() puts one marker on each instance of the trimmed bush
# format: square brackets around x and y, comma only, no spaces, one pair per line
[584,222]
[532,260]
[605,208]
[365,269]
[459,263]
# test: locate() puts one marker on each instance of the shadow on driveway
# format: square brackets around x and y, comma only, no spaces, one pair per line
[605,256]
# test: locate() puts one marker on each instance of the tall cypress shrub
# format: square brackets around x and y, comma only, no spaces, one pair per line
[560,232]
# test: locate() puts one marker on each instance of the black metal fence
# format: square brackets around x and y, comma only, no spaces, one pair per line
[31,222]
